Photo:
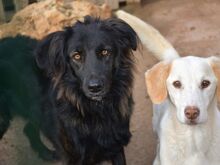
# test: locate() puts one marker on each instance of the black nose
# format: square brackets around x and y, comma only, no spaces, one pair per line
[95,86]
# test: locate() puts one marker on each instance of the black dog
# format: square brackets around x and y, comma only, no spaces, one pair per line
[21,88]
[90,72]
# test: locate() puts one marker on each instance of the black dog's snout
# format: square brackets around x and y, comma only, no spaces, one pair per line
[95,85]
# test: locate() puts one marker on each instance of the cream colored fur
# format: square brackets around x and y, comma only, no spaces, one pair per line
[149,36]
[179,142]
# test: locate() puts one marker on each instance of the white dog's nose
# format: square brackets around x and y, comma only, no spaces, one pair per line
[192,112]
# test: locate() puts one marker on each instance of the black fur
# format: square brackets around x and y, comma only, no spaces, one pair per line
[90,127]
[21,90]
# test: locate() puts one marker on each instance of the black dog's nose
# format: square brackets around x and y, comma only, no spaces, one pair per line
[95,86]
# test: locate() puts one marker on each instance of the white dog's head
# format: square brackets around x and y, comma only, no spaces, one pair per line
[189,82]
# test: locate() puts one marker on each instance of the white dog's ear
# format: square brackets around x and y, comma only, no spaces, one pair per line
[215,63]
[155,79]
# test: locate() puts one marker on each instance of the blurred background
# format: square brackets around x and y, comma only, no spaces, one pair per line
[192,26]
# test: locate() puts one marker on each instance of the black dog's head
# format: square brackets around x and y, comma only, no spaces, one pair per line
[87,54]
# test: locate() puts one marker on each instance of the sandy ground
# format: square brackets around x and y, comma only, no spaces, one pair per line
[193,27]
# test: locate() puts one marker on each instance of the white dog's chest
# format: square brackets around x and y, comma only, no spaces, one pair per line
[180,145]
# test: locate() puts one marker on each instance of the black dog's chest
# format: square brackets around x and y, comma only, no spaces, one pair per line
[93,127]
[93,133]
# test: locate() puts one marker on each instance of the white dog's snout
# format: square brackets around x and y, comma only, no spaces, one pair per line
[192,112]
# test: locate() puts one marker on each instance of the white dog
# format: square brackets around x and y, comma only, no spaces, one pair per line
[185,93]
[186,117]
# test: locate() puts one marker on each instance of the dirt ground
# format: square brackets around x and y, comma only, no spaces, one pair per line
[193,27]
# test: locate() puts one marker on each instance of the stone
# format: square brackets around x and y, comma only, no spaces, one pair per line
[39,19]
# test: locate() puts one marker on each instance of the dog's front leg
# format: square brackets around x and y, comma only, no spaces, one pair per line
[119,159]
[74,160]
[4,123]
[157,158]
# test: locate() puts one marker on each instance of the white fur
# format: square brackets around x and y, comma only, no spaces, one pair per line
[180,143]
[149,36]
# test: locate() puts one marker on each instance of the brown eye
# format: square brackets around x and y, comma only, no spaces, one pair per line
[104,52]
[75,56]
[177,84]
[205,84]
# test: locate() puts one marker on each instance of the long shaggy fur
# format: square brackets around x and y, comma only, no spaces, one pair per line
[89,131]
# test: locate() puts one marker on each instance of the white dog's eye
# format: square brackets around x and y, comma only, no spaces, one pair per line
[205,84]
[177,84]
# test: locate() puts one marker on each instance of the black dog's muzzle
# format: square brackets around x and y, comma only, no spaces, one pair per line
[95,89]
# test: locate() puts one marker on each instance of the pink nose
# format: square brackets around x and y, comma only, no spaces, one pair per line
[191,112]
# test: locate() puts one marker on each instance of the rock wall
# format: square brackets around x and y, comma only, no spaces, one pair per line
[42,18]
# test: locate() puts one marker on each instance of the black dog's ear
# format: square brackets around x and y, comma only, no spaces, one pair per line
[50,53]
[126,35]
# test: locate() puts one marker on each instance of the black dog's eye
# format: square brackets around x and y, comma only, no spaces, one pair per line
[76,56]
[205,84]
[105,52]
[177,84]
